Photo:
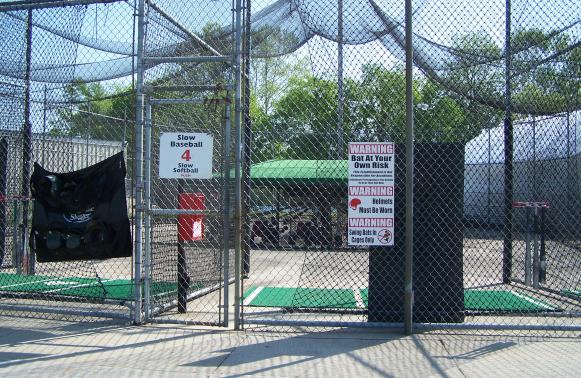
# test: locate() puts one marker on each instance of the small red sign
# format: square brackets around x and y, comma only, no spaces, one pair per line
[191,227]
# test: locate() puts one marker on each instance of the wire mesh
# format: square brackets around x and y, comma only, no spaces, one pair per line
[345,82]
[195,97]
[496,184]
[73,118]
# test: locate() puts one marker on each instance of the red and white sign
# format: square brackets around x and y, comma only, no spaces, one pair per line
[185,155]
[371,194]
[191,227]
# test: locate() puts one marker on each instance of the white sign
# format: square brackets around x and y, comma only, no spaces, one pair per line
[185,155]
[371,194]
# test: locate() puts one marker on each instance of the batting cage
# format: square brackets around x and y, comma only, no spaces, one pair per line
[294,163]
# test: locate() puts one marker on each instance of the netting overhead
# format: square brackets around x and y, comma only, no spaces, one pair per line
[66,45]
[97,42]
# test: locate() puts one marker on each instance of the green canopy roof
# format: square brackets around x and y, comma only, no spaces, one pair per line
[299,171]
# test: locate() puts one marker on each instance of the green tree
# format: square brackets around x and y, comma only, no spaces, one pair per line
[546,70]
[270,69]
[438,116]
[96,112]
[477,77]
[304,119]
[304,122]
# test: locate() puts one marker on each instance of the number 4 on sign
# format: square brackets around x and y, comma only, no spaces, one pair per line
[186,155]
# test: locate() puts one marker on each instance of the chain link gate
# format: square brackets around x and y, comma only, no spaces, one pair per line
[189,134]
[187,242]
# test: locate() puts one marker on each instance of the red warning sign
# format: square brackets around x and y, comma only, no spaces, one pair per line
[191,227]
[371,193]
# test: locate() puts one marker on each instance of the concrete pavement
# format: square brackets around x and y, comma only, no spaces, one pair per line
[51,348]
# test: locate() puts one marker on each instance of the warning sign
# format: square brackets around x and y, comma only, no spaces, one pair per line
[371,194]
[185,155]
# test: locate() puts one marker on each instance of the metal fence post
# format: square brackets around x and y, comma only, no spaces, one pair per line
[409,179]
[508,158]
[238,171]
[226,212]
[138,161]
[536,260]
[4,199]
[27,257]
[528,234]
[147,208]
[247,144]
[340,91]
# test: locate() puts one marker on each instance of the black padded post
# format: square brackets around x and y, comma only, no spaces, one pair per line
[438,235]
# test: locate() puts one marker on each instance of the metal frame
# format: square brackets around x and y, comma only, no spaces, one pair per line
[237,61]
[138,167]
[187,59]
[25,5]
[64,298]
[63,311]
[143,177]
[233,61]
[409,172]
[27,259]
[419,326]
[508,153]
[147,204]
[149,313]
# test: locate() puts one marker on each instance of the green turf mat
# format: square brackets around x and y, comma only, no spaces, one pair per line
[502,300]
[474,300]
[107,289]
[248,292]
[123,290]
[571,293]
[290,297]
[42,284]
[365,296]
[117,289]
[493,300]
[9,280]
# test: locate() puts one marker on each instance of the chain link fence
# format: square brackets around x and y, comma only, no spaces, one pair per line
[254,225]
[61,108]
[486,75]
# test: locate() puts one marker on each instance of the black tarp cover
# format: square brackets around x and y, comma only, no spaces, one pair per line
[80,215]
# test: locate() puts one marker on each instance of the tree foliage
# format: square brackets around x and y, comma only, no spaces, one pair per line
[98,112]
[295,114]
[546,69]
